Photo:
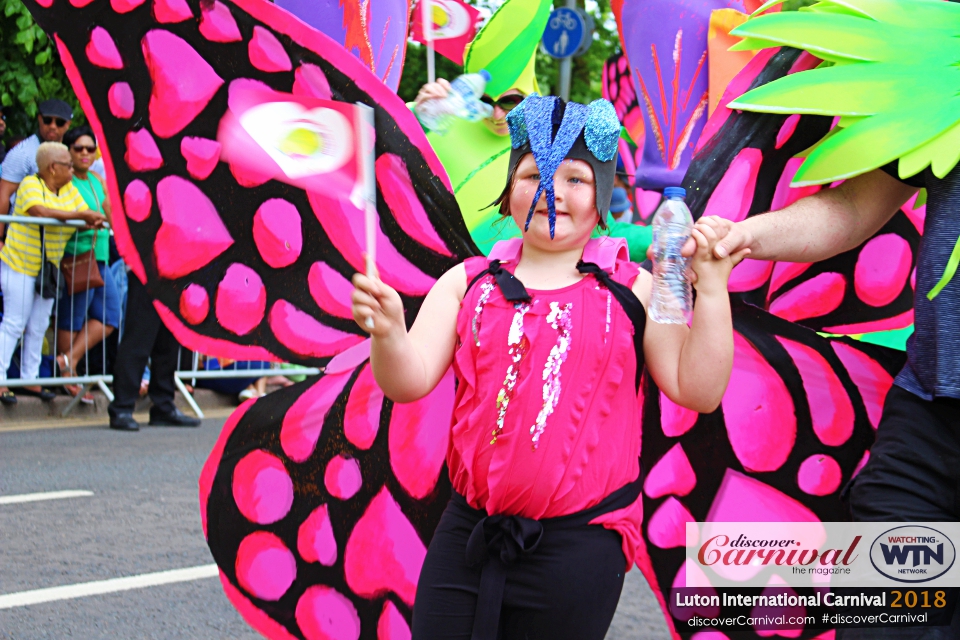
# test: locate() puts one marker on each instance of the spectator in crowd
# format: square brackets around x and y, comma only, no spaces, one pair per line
[3,132]
[145,337]
[621,209]
[52,122]
[49,194]
[86,318]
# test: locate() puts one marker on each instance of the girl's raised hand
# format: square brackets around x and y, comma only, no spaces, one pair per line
[377,307]
[711,273]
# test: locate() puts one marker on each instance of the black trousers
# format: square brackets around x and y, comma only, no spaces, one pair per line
[145,337]
[568,587]
[913,475]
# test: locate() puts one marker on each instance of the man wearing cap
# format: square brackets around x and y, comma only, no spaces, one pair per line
[52,122]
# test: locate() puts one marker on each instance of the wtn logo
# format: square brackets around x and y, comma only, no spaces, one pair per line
[912,554]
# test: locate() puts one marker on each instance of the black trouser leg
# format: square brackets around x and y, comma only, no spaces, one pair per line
[142,327]
[163,363]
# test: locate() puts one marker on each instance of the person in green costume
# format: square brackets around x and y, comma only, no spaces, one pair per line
[86,318]
[890,74]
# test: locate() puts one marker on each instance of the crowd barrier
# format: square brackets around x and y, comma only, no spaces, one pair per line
[53,345]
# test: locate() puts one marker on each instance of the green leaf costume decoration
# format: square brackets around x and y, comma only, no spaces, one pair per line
[891,72]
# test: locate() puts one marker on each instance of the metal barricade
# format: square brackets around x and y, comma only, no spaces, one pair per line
[19,302]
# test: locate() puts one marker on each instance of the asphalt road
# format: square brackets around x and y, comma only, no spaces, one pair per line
[141,518]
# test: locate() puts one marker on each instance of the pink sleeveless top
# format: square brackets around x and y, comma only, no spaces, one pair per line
[547,418]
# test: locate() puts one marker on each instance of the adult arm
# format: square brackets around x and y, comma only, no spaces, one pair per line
[819,226]
[408,365]
[92,218]
[7,189]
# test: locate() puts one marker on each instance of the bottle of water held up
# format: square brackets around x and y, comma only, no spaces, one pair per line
[671,301]
[462,101]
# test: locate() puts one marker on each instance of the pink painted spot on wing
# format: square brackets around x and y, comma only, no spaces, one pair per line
[277,232]
[102,50]
[183,82]
[785,195]
[361,420]
[262,488]
[397,189]
[217,23]
[689,567]
[783,272]
[137,201]
[194,304]
[816,297]
[392,625]
[201,154]
[315,540]
[916,215]
[303,422]
[192,234]
[819,475]
[766,504]
[247,177]
[120,100]
[418,437]
[125,6]
[758,411]
[310,80]
[241,299]
[79,3]
[734,194]
[344,225]
[775,589]
[860,465]
[667,526]
[330,290]
[171,11]
[883,267]
[266,53]
[323,613]
[787,129]
[899,321]
[830,407]
[342,477]
[749,275]
[265,567]
[872,379]
[672,474]
[299,332]
[384,552]
[142,151]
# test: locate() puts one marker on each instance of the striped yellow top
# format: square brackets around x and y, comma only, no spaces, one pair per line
[22,248]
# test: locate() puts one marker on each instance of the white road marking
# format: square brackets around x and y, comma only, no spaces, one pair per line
[46,495]
[70,591]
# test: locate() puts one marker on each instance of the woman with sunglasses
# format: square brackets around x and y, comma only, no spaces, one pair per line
[86,318]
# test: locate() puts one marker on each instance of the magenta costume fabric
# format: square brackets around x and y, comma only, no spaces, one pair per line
[546,420]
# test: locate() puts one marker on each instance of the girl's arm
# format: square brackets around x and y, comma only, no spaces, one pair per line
[407,366]
[692,365]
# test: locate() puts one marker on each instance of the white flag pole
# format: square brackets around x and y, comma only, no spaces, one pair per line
[367,155]
[427,19]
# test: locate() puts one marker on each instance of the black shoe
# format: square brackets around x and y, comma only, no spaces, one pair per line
[123,422]
[174,418]
[8,398]
[44,394]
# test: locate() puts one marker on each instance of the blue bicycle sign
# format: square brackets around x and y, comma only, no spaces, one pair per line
[564,34]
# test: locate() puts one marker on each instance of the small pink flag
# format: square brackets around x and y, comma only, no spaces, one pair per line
[454,25]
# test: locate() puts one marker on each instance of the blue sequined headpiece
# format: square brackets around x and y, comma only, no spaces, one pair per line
[554,130]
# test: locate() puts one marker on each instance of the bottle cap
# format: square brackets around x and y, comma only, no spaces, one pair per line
[485,74]
[674,192]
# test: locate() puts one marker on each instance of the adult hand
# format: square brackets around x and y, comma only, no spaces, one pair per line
[708,272]
[377,307]
[433,91]
[731,238]
[93,219]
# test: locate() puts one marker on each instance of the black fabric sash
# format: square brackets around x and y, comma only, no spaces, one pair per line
[498,541]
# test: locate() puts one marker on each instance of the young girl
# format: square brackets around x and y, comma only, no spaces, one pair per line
[547,341]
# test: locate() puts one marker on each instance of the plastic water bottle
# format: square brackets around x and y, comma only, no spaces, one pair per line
[672,300]
[462,101]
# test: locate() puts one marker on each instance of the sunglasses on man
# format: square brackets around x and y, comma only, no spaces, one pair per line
[48,120]
[79,148]
[507,103]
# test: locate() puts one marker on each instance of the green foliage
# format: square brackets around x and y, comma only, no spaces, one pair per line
[30,70]
[585,79]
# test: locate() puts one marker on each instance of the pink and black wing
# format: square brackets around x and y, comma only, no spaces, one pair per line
[795,425]
[744,165]
[241,267]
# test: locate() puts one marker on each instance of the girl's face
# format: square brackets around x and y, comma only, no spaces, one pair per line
[82,152]
[576,203]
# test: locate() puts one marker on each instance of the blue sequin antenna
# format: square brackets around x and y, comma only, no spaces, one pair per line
[554,130]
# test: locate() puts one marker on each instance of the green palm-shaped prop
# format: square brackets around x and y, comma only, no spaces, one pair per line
[891,72]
